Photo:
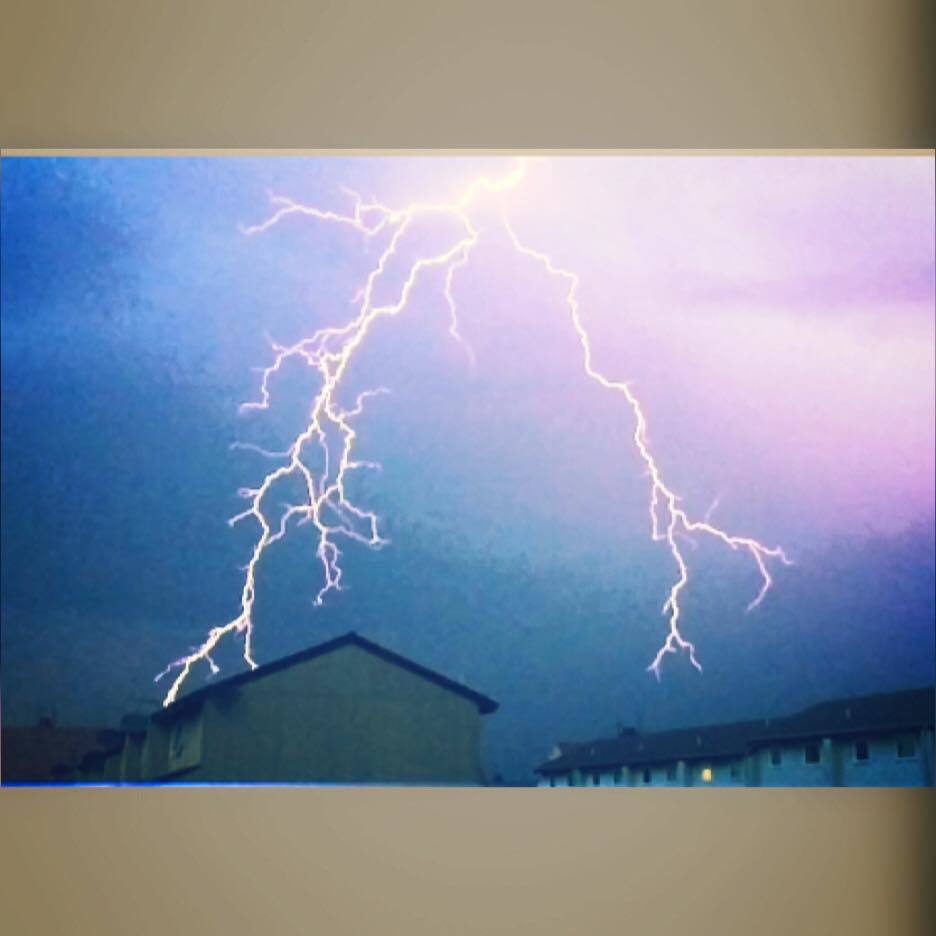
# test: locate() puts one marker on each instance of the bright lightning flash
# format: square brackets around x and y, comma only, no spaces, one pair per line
[330,428]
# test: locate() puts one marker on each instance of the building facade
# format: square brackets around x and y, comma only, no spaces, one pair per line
[48,753]
[345,712]
[877,740]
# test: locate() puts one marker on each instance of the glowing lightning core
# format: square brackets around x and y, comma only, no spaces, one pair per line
[329,352]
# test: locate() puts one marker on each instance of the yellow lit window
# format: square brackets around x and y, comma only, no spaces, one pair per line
[706,774]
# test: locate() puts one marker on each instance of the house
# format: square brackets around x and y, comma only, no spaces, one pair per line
[49,753]
[876,740]
[344,711]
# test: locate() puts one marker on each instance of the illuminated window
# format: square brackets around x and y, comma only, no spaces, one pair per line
[861,751]
[776,757]
[811,754]
[906,747]
[706,774]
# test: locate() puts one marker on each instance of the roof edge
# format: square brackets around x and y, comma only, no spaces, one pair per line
[486,705]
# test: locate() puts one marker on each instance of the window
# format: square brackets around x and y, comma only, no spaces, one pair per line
[861,751]
[647,775]
[776,757]
[618,777]
[671,772]
[811,753]
[185,743]
[552,781]
[906,747]
[177,740]
[571,779]
[596,779]
[706,775]
[735,771]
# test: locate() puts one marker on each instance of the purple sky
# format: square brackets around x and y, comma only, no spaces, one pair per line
[780,308]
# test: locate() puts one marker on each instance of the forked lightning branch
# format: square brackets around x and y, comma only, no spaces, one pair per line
[321,457]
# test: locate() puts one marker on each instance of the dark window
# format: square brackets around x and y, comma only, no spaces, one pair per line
[811,754]
[735,771]
[177,740]
[571,779]
[647,776]
[552,781]
[671,772]
[618,776]
[906,747]
[776,756]
[861,751]
[596,779]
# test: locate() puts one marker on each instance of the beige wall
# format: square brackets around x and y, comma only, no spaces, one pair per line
[346,716]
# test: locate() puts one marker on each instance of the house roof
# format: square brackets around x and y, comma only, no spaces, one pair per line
[884,711]
[184,703]
[727,740]
[38,753]
[870,714]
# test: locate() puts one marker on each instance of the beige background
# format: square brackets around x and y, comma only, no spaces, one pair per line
[482,73]
[797,73]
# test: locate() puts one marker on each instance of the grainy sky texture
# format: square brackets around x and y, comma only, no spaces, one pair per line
[775,317]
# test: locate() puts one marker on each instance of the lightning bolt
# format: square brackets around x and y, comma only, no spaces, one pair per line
[321,458]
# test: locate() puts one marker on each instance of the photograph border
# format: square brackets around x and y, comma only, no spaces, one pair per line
[798,77]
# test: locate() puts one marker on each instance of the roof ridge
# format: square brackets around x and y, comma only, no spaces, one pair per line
[484,703]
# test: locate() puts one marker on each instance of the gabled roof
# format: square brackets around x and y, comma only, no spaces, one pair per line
[882,712]
[351,639]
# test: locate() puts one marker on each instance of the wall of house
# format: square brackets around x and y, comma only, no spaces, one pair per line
[344,717]
[657,775]
[154,756]
[793,770]
[724,773]
[838,766]
[883,767]
[555,781]
[131,759]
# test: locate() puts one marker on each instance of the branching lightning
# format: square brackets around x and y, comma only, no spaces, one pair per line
[330,432]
